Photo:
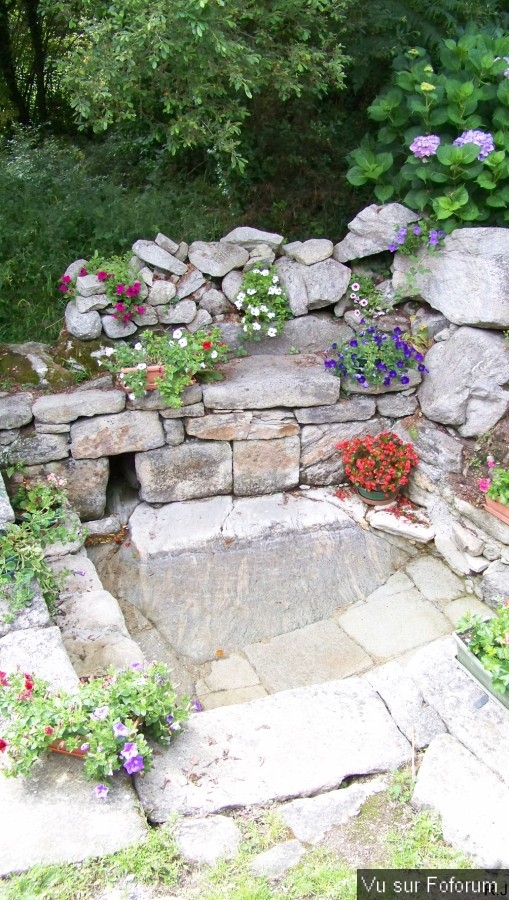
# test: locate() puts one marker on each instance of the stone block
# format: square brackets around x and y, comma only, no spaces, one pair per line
[125,432]
[64,408]
[154,255]
[264,467]
[15,410]
[186,472]
[32,449]
[217,258]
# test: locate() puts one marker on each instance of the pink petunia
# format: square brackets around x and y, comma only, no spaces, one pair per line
[102,275]
[484,484]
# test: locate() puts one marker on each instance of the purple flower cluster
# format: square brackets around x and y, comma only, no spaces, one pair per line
[425,145]
[133,760]
[367,366]
[483,139]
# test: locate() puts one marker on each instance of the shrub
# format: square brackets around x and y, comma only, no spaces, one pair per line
[443,143]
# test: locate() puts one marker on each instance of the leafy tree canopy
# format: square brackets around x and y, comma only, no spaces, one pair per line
[185,74]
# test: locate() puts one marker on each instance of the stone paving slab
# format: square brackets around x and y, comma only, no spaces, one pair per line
[311,655]
[445,686]
[295,743]
[434,579]
[389,626]
[470,799]
[54,817]
[311,818]
[230,697]
[418,721]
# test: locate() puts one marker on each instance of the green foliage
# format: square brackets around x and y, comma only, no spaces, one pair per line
[109,718]
[185,75]
[488,639]
[262,303]
[373,357]
[401,786]
[499,486]
[182,357]
[413,157]
[44,517]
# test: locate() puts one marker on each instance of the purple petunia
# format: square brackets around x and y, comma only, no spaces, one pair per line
[120,730]
[129,751]
[483,139]
[425,145]
[100,713]
[101,791]
[134,764]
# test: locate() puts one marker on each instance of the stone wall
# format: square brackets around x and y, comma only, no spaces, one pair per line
[271,426]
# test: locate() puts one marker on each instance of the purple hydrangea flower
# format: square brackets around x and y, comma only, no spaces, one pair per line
[101,791]
[134,764]
[425,145]
[483,139]
[120,730]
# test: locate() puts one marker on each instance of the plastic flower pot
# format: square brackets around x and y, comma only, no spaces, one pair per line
[151,374]
[376,498]
[474,668]
[500,510]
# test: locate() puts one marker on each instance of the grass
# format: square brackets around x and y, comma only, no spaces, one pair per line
[404,839]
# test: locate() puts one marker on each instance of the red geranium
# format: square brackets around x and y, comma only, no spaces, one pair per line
[380,463]
[3,745]
[207,345]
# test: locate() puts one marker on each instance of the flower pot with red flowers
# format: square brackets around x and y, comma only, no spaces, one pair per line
[378,466]
[165,361]
[104,721]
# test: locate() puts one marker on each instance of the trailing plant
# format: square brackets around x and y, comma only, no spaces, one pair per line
[107,718]
[409,239]
[182,356]
[262,303]
[497,486]
[488,640]
[380,463]
[121,285]
[44,517]
[375,358]
[442,145]
[369,302]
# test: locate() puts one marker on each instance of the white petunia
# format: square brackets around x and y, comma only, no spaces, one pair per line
[254,310]
[182,342]
[177,334]
[265,272]
[109,351]
[264,308]
[271,332]
[138,346]
[241,296]
[251,291]
[141,366]
[271,315]
[244,327]
[278,291]
[213,355]
[275,279]
[203,366]
[256,326]
[238,304]
[256,272]
[131,397]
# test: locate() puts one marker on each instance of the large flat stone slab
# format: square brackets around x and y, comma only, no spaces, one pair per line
[253,754]
[40,652]
[389,626]
[54,817]
[311,818]
[124,432]
[219,574]
[185,472]
[59,408]
[470,799]
[310,655]
[250,383]
[434,579]
[445,686]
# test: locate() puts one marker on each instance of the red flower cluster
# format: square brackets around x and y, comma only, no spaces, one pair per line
[380,463]
[25,695]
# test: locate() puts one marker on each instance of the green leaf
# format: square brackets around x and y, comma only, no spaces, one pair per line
[485,181]
[356,176]
[456,156]
[384,192]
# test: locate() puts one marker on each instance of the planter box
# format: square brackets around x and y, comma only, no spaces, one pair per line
[473,667]
[500,510]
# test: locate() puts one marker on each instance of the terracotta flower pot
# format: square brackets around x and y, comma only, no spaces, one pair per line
[151,374]
[59,747]
[376,498]
[500,510]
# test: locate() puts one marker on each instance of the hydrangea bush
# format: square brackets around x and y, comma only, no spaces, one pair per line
[375,358]
[262,303]
[442,145]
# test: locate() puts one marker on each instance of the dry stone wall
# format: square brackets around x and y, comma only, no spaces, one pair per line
[272,424]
